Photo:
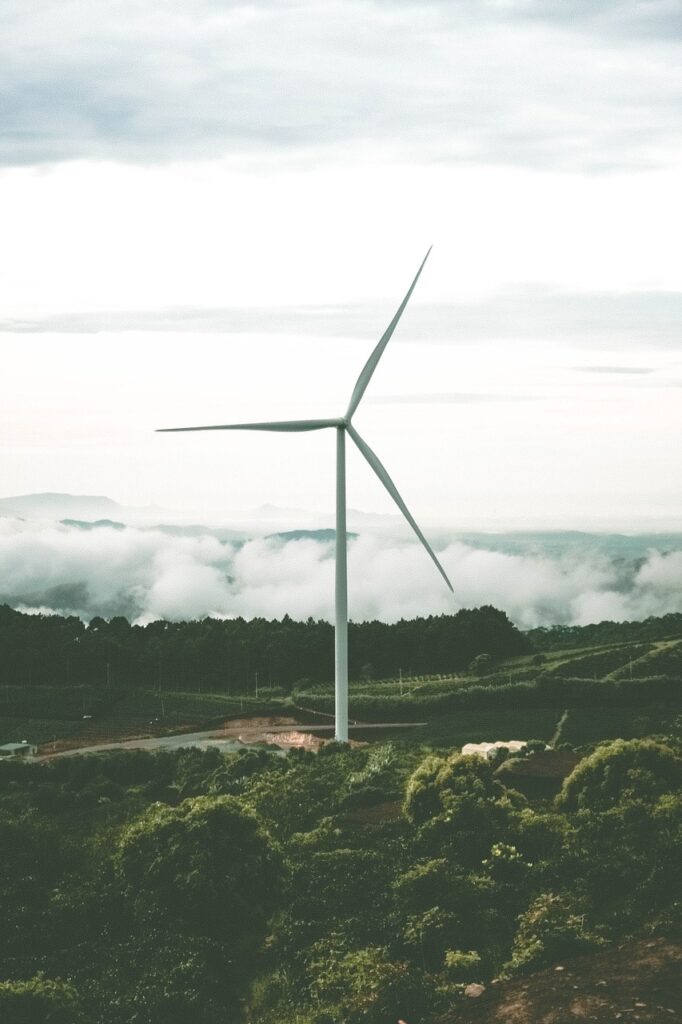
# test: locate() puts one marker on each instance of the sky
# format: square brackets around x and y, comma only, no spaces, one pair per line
[210,212]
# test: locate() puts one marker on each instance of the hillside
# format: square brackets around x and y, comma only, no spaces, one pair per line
[367,885]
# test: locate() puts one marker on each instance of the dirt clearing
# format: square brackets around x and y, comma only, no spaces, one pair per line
[635,982]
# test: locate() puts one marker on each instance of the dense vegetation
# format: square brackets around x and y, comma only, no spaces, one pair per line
[63,680]
[356,886]
[557,637]
[228,655]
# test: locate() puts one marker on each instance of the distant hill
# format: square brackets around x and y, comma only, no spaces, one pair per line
[85,524]
[625,552]
[322,536]
[574,543]
[61,506]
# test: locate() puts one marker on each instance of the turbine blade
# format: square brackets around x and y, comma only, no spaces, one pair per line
[393,491]
[282,425]
[371,364]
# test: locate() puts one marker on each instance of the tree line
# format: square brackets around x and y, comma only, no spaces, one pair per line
[232,655]
[554,638]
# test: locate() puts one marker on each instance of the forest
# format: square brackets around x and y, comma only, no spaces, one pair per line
[226,654]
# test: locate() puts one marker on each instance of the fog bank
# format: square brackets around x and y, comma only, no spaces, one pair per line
[146,574]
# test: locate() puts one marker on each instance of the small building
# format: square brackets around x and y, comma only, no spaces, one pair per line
[23,749]
[488,750]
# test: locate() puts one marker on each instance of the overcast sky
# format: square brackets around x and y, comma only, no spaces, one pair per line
[211,210]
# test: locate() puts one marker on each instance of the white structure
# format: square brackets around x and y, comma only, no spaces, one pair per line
[23,749]
[488,750]
[344,426]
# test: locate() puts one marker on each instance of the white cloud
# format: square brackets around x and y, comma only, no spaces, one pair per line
[276,169]
[148,574]
[524,83]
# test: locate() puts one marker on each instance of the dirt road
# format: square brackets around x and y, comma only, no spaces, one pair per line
[234,735]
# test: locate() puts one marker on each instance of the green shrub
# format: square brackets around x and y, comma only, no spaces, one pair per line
[437,780]
[481,664]
[462,966]
[206,865]
[550,930]
[427,936]
[366,987]
[620,771]
[39,1000]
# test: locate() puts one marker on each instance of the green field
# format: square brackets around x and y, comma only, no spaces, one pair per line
[469,726]
[146,711]
[591,725]
[191,705]
[35,730]
[582,726]
[548,683]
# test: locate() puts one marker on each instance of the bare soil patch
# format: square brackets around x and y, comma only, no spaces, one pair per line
[540,775]
[634,982]
[274,729]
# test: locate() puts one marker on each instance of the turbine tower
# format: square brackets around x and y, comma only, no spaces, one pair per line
[344,426]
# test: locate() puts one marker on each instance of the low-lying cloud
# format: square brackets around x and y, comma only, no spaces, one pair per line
[596,318]
[147,574]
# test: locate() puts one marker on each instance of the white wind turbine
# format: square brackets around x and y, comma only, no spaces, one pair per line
[344,426]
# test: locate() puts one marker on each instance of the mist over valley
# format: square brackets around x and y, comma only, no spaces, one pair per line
[102,559]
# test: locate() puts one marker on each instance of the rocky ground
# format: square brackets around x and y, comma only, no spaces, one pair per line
[635,982]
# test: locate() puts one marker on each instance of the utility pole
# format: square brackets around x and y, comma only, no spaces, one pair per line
[400,672]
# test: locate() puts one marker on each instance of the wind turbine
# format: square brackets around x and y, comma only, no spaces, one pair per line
[344,426]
